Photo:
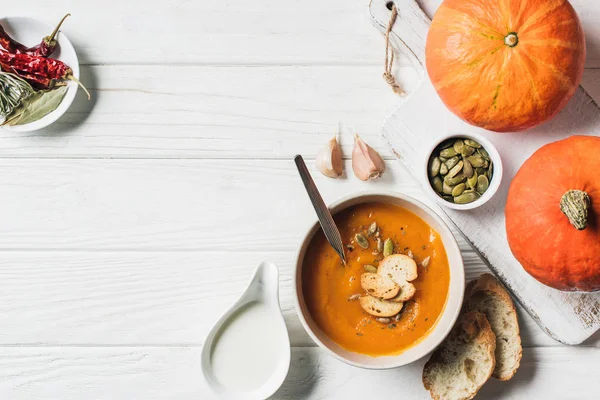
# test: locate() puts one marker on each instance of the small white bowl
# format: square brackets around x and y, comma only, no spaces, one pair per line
[30,32]
[494,183]
[451,308]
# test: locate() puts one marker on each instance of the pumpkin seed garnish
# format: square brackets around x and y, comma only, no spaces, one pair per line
[354,297]
[388,247]
[370,268]
[361,240]
[460,170]
[434,167]
[455,180]
[466,197]
[350,247]
[426,261]
[458,145]
[452,162]
[437,184]
[384,320]
[379,245]
[372,229]
[455,170]
[482,184]
[468,168]
[444,169]
[449,152]
[458,189]
[410,254]
[472,143]
[467,151]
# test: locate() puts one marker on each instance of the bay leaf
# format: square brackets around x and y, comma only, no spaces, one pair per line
[37,106]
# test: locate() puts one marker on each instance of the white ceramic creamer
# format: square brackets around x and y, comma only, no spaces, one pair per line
[247,354]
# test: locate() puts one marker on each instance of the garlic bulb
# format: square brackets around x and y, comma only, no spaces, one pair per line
[366,162]
[329,159]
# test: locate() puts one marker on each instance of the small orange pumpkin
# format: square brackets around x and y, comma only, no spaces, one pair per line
[553,214]
[505,65]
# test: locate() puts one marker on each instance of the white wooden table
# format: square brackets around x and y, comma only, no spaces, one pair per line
[130,225]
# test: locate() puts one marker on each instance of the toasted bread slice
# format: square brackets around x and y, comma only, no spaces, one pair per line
[380,308]
[379,286]
[488,296]
[463,362]
[401,269]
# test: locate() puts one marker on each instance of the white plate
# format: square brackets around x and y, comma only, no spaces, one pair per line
[30,32]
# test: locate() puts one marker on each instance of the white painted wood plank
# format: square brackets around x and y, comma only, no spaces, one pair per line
[234,31]
[148,298]
[210,205]
[216,112]
[152,373]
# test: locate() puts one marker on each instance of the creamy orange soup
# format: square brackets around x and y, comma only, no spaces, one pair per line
[327,284]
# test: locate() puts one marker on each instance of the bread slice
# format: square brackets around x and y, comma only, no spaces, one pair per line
[488,296]
[463,362]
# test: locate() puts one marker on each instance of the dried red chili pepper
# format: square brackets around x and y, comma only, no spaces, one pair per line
[44,49]
[36,69]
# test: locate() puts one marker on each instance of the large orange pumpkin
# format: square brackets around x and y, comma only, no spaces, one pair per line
[553,214]
[505,65]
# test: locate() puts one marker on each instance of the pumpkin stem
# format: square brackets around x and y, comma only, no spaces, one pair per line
[575,205]
[511,39]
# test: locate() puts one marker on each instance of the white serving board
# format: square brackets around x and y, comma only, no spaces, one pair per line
[421,118]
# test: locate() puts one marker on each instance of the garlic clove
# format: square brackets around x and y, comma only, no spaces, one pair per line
[329,159]
[366,162]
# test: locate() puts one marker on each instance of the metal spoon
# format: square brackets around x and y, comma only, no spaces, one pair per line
[325,219]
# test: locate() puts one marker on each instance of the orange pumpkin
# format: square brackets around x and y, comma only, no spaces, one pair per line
[505,65]
[553,214]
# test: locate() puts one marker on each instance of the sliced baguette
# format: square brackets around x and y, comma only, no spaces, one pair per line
[488,296]
[402,270]
[463,362]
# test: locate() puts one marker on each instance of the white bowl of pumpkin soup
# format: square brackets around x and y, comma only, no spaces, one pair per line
[398,295]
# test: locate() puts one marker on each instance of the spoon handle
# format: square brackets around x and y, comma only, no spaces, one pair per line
[325,219]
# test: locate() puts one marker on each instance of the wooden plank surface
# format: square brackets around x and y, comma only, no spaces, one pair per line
[235,32]
[152,373]
[116,247]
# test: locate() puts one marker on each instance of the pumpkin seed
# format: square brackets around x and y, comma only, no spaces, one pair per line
[466,197]
[372,228]
[388,247]
[472,181]
[468,168]
[443,169]
[480,170]
[472,143]
[443,159]
[458,189]
[437,184]
[455,180]
[350,247]
[482,184]
[458,145]
[361,240]
[448,198]
[449,152]
[370,268]
[379,245]
[483,153]
[446,189]
[354,297]
[452,162]
[455,170]
[476,161]
[426,261]
[384,320]
[490,171]
[467,151]
[434,167]
[410,254]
